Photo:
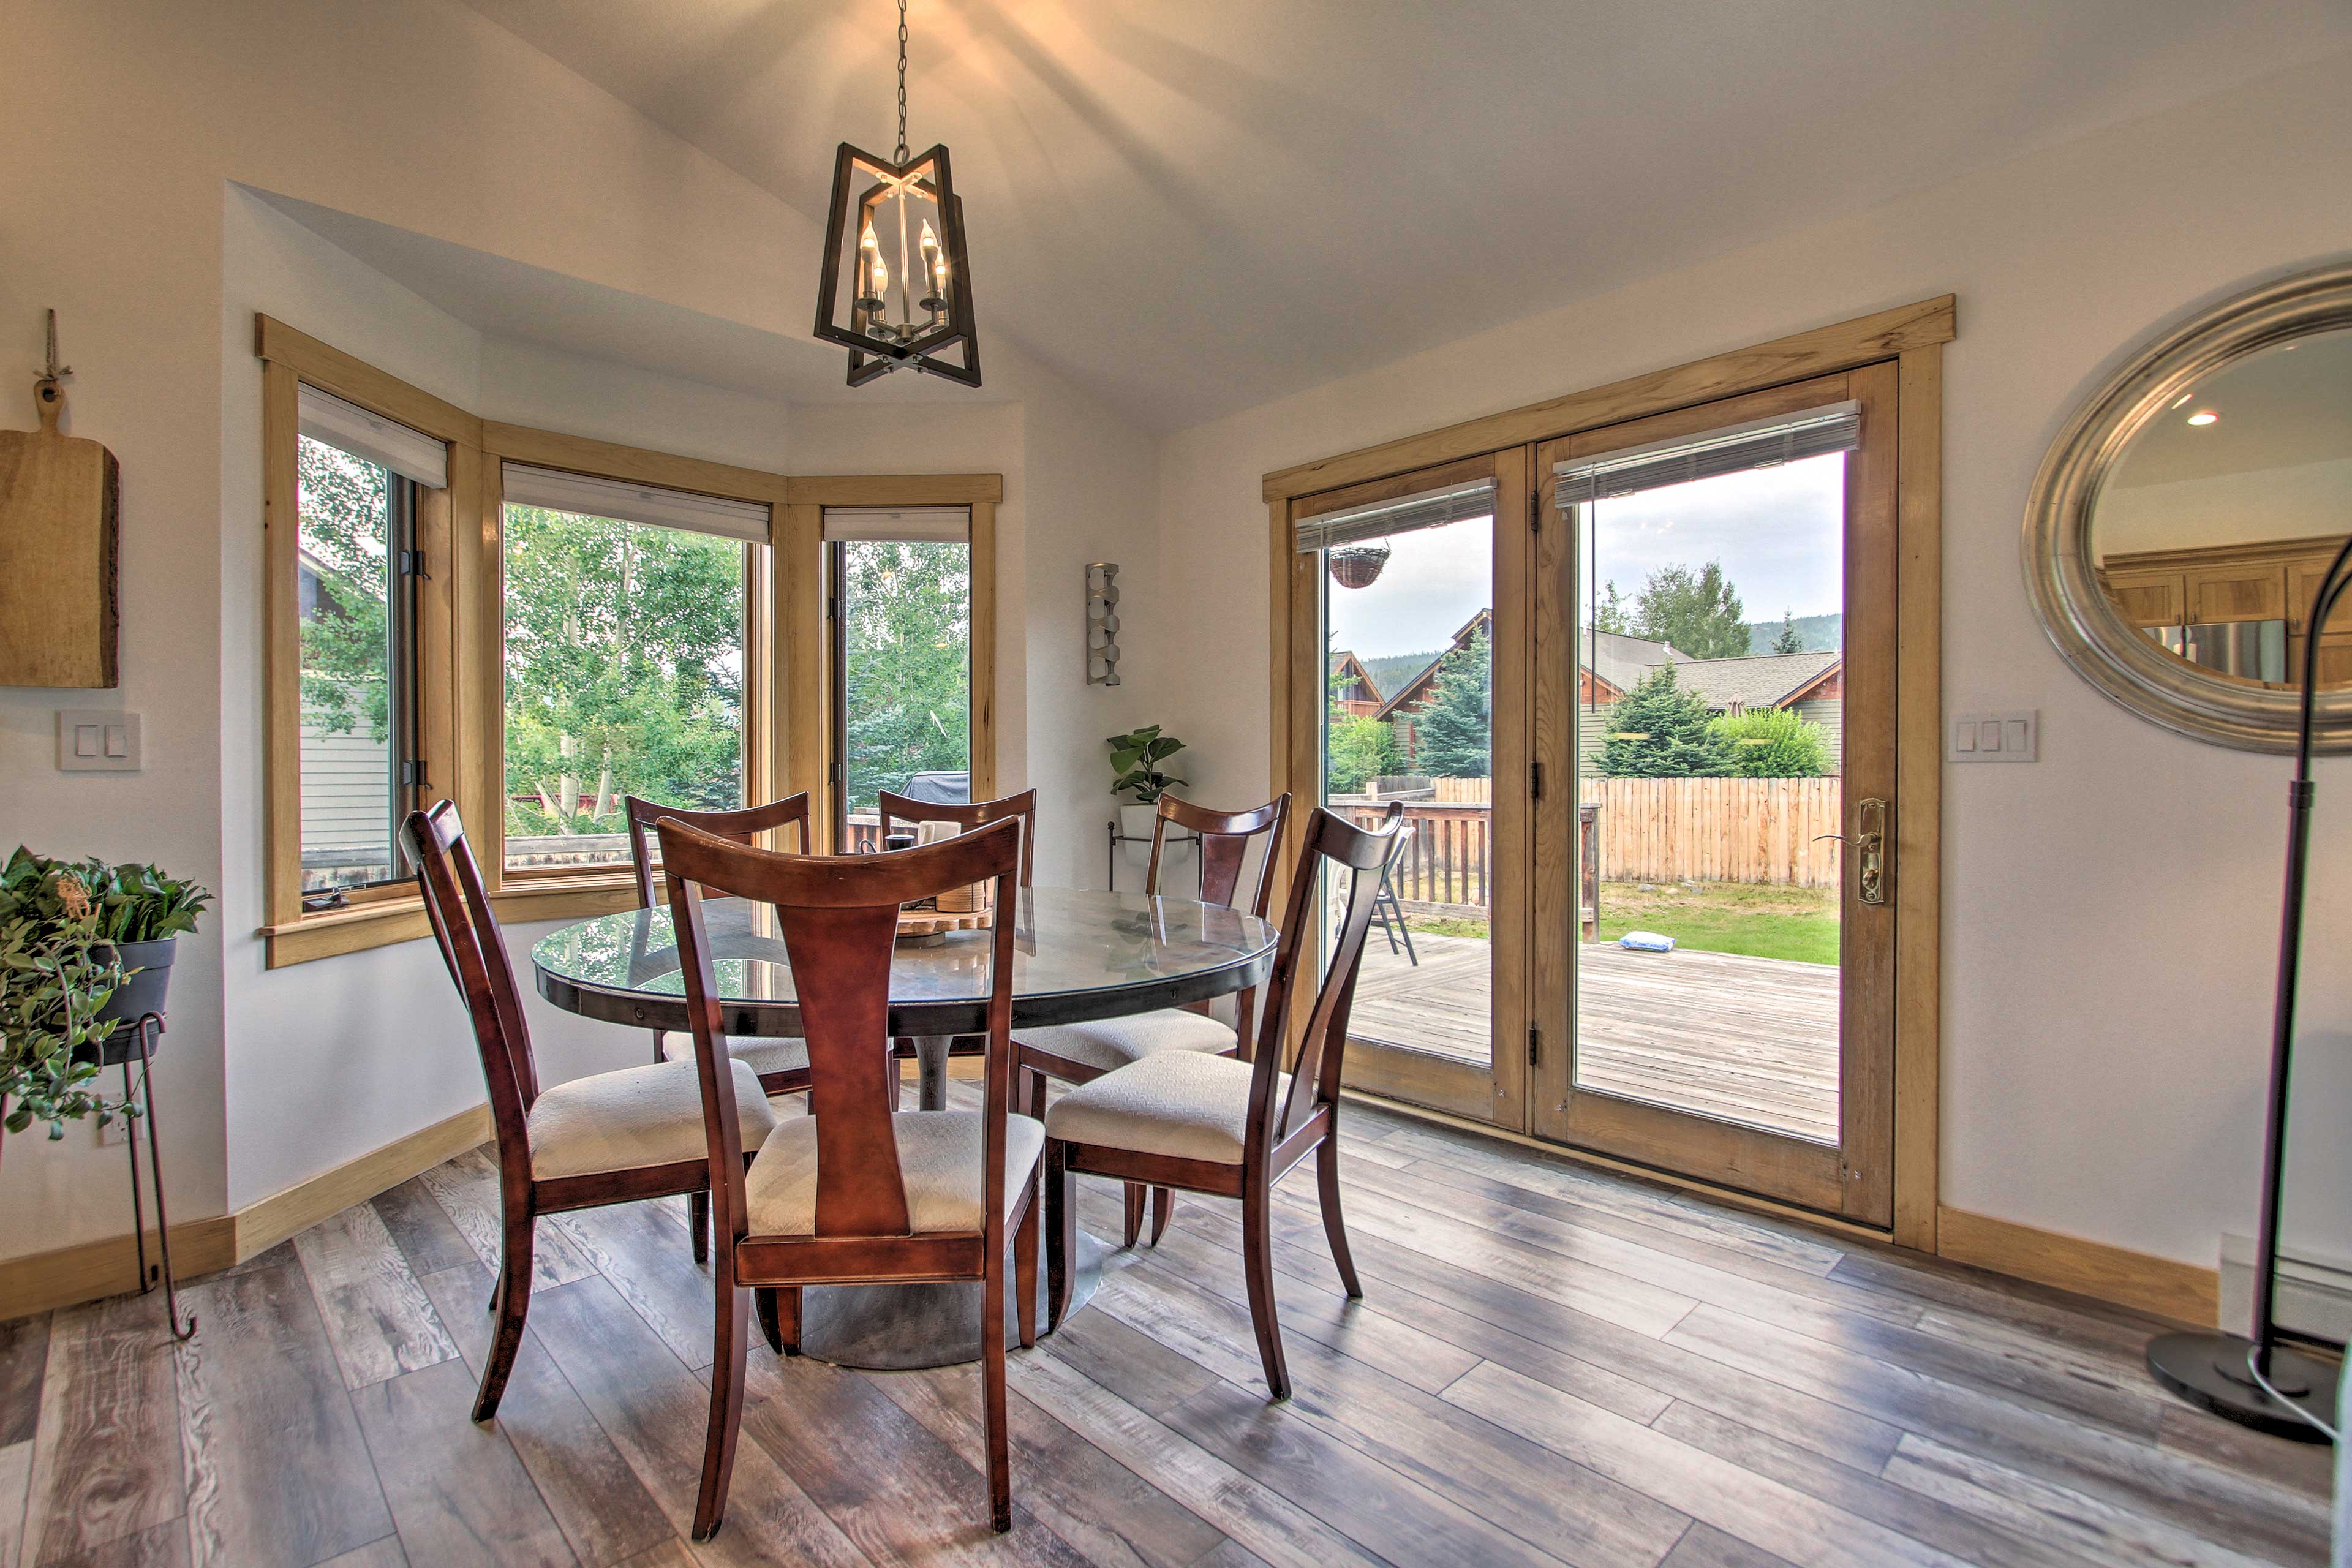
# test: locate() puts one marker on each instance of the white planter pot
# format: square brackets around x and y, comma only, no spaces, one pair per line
[1135,824]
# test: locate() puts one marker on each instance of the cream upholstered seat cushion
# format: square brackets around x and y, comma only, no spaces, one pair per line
[1188,1105]
[939,1160]
[765,1056]
[638,1116]
[1109,1044]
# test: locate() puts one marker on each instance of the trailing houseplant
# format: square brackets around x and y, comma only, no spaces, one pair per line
[55,979]
[134,913]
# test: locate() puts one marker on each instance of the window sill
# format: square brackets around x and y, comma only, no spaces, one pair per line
[333,932]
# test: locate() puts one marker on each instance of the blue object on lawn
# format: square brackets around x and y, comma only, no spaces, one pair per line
[1646,942]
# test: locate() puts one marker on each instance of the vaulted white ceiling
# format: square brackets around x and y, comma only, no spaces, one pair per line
[1194,206]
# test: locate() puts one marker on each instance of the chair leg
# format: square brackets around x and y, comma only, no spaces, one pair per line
[1134,1212]
[1061,1233]
[788,1319]
[1163,1203]
[764,1302]
[697,1225]
[1024,1275]
[1258,1270]
[991,1385]
[727,1347]
[1037,1094]
[1327,1183]
[512,1304]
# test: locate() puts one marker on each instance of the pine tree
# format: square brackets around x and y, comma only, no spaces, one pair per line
[1659,731]
[1697,613]
[1611,615]
[1453,737]
[1788,641]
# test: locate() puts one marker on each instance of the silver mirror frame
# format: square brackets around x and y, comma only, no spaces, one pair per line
[2125,665]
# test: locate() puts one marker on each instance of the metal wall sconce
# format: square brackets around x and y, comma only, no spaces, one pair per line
[1102,623]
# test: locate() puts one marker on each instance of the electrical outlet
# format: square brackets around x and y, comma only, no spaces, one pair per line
[113,1133]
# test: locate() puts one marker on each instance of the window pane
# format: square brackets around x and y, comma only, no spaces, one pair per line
[906,662]
[624,676]
[351,795]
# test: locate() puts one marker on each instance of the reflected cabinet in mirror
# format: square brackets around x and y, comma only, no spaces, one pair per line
[2182,522]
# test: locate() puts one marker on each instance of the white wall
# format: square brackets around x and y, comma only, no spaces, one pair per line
[2110,912]
[135,226]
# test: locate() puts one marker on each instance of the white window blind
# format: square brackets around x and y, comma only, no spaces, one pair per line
[934,524]
[588,497]
[1759,444]
[1429,509]
[348,428]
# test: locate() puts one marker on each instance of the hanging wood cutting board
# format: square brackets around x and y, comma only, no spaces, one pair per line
[60,503]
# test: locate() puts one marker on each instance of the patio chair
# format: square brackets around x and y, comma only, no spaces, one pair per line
[1390,913]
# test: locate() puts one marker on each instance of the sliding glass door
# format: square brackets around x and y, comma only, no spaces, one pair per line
[1716,652]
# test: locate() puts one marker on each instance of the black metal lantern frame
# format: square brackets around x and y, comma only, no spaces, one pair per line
[911,315]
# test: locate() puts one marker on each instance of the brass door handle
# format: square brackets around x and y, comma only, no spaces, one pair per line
[1870,838]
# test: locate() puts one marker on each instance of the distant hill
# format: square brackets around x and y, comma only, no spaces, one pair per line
[1391,671]
[1815,634]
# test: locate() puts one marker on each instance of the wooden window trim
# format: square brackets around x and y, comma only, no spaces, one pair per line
[1911,338]
[460,633]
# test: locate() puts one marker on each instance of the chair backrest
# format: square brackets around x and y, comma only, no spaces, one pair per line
[742,826]
[839,918]
[1224,846]
[465,928]
[1360,856]
[978,814]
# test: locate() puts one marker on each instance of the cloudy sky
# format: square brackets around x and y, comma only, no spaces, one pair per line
[1779,532]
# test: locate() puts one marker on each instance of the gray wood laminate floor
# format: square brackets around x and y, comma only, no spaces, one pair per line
[1550,1365]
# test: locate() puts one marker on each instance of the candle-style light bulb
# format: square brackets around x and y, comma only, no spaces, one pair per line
[936,262]
[869,252]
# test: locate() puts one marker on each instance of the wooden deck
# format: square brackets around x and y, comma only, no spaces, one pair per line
[1752,1040]
[1551,1367]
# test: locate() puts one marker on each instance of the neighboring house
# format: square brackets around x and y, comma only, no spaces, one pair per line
[1353,691]
[1414,694]
[346,784]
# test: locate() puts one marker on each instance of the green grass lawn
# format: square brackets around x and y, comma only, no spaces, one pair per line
[1796,923]
[1799,923]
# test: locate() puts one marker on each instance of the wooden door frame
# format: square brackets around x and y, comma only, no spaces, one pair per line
[1497,1094]
[1912,336]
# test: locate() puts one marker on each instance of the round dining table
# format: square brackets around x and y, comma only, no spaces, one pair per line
[1076,956]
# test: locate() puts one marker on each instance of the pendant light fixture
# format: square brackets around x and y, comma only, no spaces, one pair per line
[896,288]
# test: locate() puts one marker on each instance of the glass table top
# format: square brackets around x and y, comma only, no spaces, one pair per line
[1076,956]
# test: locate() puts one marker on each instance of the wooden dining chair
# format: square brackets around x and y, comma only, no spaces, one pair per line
[782,1065]
[977,814]
[1080,1053]
[608,1138]
[1208,1123]
[859,1191]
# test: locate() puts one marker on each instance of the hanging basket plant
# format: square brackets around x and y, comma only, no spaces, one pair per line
[1358,565]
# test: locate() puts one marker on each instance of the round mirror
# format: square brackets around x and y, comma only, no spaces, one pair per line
[2183,521]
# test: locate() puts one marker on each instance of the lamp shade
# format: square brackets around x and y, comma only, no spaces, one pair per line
[896,286]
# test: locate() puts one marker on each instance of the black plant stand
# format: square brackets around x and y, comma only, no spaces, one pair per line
[145,1033]
[1118,838]
[2260,1381]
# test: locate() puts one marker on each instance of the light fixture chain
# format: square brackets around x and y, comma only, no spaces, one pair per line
[901,158]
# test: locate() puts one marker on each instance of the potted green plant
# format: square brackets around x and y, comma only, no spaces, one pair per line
[56,981]
[1137,783]
[134,915]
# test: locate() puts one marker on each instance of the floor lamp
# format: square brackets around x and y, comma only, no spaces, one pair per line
[2260,1381]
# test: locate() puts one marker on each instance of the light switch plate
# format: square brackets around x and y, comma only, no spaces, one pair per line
[1993,737]
[98,741]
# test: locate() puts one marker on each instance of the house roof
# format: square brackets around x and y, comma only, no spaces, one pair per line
[1482,621]
[1759,680]
[1622,660]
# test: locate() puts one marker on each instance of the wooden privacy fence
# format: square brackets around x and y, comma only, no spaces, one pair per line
[1718,830]
[1636,830]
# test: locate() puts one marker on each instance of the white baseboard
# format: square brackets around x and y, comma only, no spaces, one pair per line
[2314,1294]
